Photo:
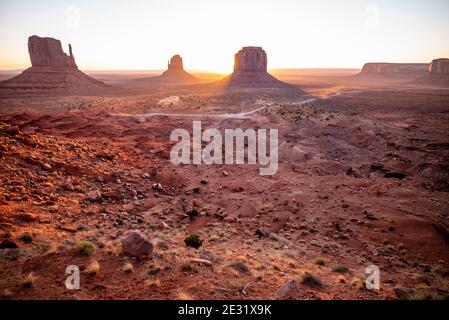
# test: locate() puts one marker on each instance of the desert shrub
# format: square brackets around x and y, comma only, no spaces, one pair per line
[320,262]
[85,248]
[311,281]
[128,267]
[193,240]
[28,281]
[340,269]
[26,238]
[93,268]
[240,266]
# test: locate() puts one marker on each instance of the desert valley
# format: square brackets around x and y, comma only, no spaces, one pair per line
[86,180]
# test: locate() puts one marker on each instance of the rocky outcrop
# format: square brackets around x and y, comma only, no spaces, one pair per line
[439,67]
[175,74]
[250,59]
[394,70]
[175,63]
[52,70]
[47,52]
[250,71]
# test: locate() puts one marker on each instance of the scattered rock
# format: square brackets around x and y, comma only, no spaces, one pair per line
[136,244]
[201,261]
[262,233]
[12,130]
[288,290]
[157,186]
[27,217]
[93,195]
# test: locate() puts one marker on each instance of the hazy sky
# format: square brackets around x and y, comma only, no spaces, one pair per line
[132,34]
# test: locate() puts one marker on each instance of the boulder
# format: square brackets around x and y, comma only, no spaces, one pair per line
[136,244]
[288,290]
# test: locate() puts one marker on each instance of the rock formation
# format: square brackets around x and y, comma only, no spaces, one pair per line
[250,59]
[51,70]
[394,70]
[439,67]
[47,52]
[250,70]
[175,73]
[175,64]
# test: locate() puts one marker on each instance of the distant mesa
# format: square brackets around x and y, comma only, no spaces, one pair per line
[438,73]
[175,73]
[439,67]
[435,73]
[52,70]
[250,70]
[394,70]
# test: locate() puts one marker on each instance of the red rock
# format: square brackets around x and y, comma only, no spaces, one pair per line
[136,244]
[51,70]
[93,195]
[439,67]
[12,130]
[68,185]
[250,70]
[47,52]
[201,261]
[394,69]
[28,217]
[175,73]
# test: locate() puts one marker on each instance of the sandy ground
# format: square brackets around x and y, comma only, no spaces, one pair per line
[363,179]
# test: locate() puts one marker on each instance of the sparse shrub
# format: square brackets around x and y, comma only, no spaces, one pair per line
[183,296]
[311,280]
[26,238]
[291,263]
[320,262]
[85,248]
[14,254]
[93,268]
[128,267]
[340,269]
[193,240]
[153,283]
[240,266]
[276,267]
[29,281]
[187,267]
[240,284]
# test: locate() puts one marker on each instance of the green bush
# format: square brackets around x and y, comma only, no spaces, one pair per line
[320,262]
[85,248]
[311,281]
[193,240]
[26,238]
[340,269]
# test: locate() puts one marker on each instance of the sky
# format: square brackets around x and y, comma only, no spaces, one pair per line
[144,34]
